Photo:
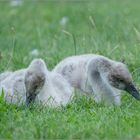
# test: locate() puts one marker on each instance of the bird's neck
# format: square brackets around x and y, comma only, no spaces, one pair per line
[98,70]
[99,67]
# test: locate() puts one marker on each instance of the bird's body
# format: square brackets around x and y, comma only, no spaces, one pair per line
[94,74]
[13,86]
[74,69]
[46,87]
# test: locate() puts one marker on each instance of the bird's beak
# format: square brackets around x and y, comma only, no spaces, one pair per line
[30,99]
[130,88]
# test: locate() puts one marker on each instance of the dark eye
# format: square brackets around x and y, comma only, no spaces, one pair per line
[120,80]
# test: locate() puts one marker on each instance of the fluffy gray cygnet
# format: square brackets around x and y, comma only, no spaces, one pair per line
[35,83]
[98,75]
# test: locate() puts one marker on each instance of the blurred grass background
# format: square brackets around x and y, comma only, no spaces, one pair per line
[53,30]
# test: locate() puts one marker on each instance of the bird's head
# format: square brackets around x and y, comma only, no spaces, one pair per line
[120,78]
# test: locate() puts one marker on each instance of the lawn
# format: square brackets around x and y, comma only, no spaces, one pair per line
[56,29]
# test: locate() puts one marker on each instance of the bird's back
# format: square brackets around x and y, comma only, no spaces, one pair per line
[73,69]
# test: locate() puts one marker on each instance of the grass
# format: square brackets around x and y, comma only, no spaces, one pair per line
[108,27]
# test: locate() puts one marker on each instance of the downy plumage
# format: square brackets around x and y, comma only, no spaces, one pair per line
[97,75]
[35,83]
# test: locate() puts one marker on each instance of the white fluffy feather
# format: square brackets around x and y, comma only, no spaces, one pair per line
[54,91]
